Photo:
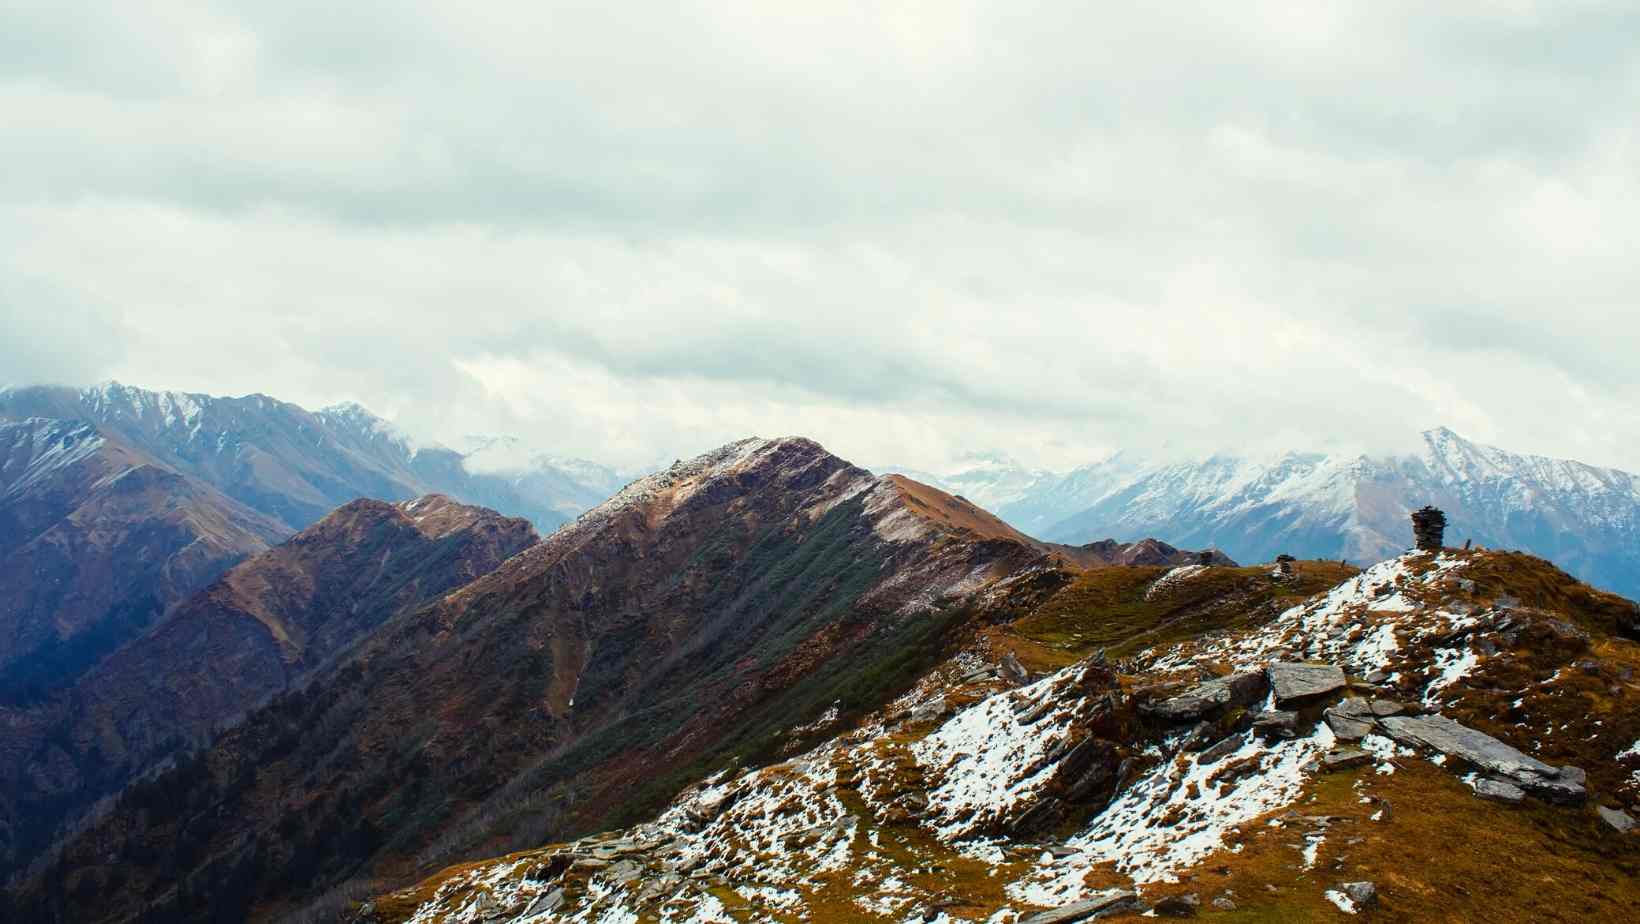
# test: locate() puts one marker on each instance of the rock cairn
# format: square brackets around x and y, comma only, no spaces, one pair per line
[1429,528]
[1284,565]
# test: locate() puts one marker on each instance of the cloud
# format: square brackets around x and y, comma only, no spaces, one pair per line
[911,230]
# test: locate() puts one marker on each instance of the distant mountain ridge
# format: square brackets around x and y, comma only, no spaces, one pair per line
[297,465]
[1355,507]
[256,631]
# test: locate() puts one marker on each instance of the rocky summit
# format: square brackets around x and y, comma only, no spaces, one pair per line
[1373,745]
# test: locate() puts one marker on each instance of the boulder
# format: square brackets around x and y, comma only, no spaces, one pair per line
[1344,759]
[1113,901]
[1619,821]
[1178,906]
[1013,671]
[1441,734]
[1276,723]
[1237,689]
[1221,750]
[1363,894]
[1384,708]
[1348,728]
[1223,903]
[1296,683]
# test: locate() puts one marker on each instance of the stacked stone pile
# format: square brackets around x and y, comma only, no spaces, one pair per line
[1429,528]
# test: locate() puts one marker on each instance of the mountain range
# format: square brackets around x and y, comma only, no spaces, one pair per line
[1315,505]
[768,685]
[765,684]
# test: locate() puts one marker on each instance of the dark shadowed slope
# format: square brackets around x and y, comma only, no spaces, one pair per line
[97,540]
[257,630]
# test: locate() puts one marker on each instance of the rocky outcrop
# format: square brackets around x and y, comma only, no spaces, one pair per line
[1299,683]
[1241,689]
[1109,902]
[1445,736]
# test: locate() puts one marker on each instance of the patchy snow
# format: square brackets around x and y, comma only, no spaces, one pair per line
[1172,579]
[988,762]
[1344,902]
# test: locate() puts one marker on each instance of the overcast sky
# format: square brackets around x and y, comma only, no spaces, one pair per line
[910,230]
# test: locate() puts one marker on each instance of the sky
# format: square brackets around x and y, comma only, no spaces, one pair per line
[910,230]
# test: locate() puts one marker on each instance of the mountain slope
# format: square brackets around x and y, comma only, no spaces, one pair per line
[1319,506]
[287,462]
[97,541]
[257,630]
[698,617]
[1376,749]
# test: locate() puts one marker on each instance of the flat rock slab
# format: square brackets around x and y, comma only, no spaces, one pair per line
[1236,689]
[1439,733]
[1111,902]
[1348,727]
[1276,723]
[1298,682]
[1500,791]
[1620,821]
[1345,758]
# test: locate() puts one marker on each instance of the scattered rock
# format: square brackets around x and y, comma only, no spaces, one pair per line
[1295,682]
[1376,677]
[1113,901]
[1013,671]
[1276,723]
[1363,894]
[1348,728]
[1619,821]
[1223,903]
[1383,708]
[545,903]
[1221,750]
[1237,689]
[1499,791]
[1178,906]
[929,711]
[1344,759]
[1029,713]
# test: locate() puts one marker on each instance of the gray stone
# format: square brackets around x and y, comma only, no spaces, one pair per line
[625,871]
[1299,682]
[1352,707]
[1383,708]
[1236,689]
[1178,906]
[1113,901]
[1029,713]
[1439,733]
[1619,821]
[1344,759]
[930,710]
[1220,750]
[1348,728]
[1276,723]
[1013,671]
[1499,791]
[545,903]
[1223,903]
[1376,677]
[1364,894]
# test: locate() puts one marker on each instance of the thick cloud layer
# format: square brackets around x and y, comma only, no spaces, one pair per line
[910,230]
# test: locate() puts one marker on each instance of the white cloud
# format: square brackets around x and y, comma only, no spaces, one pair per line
[909,230]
